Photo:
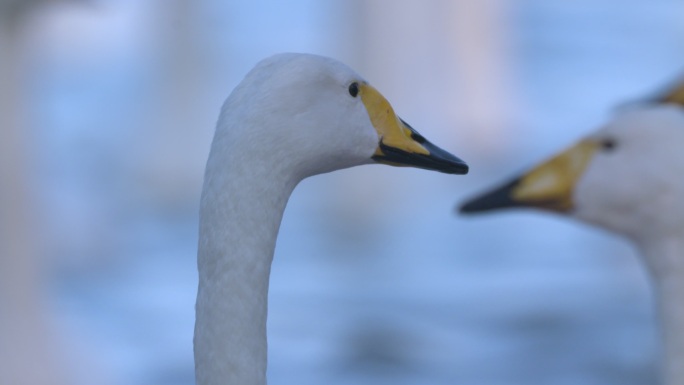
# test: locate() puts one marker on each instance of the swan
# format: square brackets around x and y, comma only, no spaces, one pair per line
[291,117]
[625,177]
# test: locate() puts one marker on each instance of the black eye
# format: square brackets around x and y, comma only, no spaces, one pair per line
[608,144]
[354,89]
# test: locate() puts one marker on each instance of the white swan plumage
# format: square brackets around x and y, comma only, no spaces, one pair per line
[292,116]
[625,177]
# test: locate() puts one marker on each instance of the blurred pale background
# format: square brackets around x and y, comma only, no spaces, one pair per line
[106,114]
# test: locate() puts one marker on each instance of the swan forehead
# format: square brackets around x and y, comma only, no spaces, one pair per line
[647,144]
[659,125]
[294,72]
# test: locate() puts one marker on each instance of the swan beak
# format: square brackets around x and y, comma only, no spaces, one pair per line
[400,144]
[548,186]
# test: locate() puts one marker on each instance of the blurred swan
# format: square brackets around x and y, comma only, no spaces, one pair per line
[626,177]
[293,116]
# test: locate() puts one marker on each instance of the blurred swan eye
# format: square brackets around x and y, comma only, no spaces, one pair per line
[354,89]
[608,144]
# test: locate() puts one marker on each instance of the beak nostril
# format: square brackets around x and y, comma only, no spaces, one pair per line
[414,134]
[418,137]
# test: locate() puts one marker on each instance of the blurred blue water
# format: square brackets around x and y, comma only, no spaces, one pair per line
[380,283]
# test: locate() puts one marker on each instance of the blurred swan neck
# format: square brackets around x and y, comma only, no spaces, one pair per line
[666,261]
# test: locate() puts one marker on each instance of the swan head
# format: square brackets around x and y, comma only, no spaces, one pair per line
[313,115]
[625,177]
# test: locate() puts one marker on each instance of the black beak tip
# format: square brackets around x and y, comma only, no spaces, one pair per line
[467,208]
[496,199]
[458,168]
[446,162]
[475,206]
[437,159]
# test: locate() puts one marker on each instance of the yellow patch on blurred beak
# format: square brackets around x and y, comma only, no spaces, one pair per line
[551,184]
[391,130]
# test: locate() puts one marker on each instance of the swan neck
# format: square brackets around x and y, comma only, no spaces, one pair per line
[240,214]
[666,263]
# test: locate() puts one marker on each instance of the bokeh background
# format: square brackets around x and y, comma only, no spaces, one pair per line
[107,109]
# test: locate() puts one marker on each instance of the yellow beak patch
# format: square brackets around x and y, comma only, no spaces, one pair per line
[399,144]
[548,186]
[552,183]
[391,130]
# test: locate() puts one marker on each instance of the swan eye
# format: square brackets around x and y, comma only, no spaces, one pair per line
[354,89]
[608,144]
